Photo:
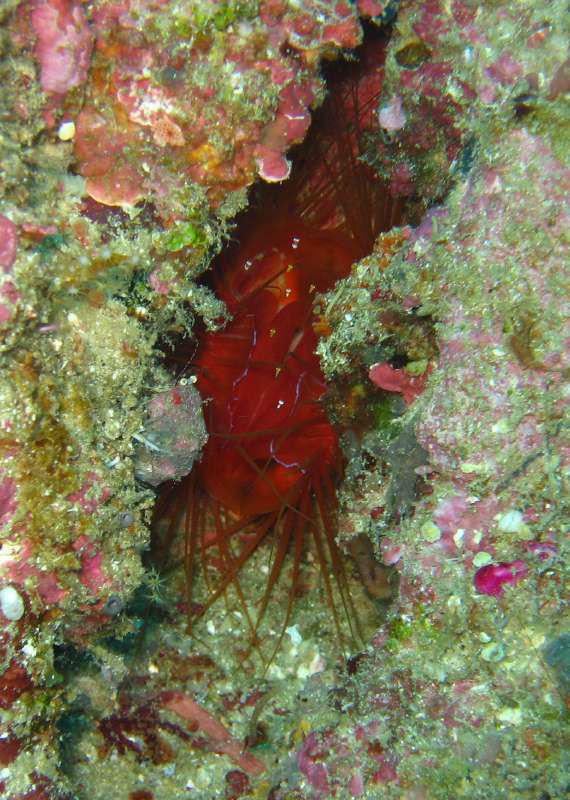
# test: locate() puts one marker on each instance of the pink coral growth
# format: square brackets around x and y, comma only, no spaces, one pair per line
[8,502]
[8,243]
[505,70]
[313,25]
[467,525]
[391,379]
[222,741]
[402,181]
[492,578]
[371,8]
[64,44]
[291,124]
[545,551]
[100,147]
[92,575]
[219,131]
[91,494]
[334,764]
[49,589]
[10,296]
[309,761]
[18,566]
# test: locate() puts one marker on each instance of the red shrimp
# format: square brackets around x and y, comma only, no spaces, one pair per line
[273,461]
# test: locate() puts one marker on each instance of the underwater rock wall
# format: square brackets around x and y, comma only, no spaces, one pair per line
[130,133]
[461,685]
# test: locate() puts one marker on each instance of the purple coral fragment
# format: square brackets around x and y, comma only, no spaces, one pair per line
[492,578]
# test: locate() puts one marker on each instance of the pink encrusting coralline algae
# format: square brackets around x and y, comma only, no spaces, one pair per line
[8,502]
[8,243]
[9,294]
[166,113]
[391,379]
[64,43]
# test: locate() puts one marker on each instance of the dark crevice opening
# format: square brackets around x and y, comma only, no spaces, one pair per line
[331,189]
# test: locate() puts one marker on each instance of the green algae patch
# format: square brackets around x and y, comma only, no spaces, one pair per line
[186,234]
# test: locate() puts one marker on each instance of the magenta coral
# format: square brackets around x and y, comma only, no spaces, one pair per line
[311,763]
[222,741]
[156,116]
[64,44]
[396,380]
[9,298]
[8,502]
[8,243]
[493,578]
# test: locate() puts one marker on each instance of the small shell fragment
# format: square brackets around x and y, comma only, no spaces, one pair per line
[66,131]
[11,603]
[511,522]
